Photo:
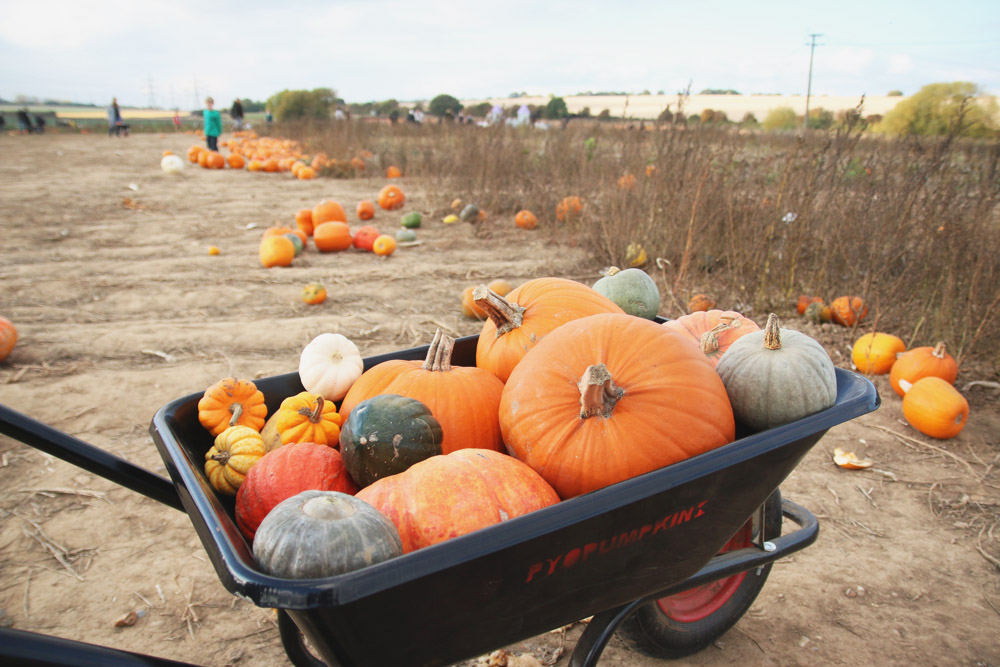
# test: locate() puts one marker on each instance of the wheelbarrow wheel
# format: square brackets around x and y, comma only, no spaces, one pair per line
[684,623]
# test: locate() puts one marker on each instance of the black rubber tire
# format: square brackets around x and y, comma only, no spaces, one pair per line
[651,632]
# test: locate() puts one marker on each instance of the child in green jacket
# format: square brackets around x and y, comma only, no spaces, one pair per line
[213,124]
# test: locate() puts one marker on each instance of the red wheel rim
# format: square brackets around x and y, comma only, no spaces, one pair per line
[700,602]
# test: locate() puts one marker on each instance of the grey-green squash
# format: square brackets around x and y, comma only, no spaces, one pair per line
[386,434]
[406,235]
[775,376]
[632,289]
[322,534]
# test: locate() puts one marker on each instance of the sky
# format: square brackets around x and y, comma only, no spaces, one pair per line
[174,53]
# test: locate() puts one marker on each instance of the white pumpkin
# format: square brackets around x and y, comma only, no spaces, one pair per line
[172,164]
[329,365]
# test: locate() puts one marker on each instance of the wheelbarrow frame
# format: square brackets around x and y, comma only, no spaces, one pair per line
[635,541]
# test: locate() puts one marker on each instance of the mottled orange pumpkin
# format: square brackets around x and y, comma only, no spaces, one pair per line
[525,219]
[848,310]
[314,294]
[713,330]
[518,321]
[391,198]
[568,208]
[585,410]
[454,494]
[464,399]
[700,302]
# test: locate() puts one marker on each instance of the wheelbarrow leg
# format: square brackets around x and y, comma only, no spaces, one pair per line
[599,631]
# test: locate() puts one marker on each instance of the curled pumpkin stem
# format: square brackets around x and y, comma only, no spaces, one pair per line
[598,392]
[505,315]
[710,339]
[237,410]
[772,333]
[316,414]
[222,458]
[439,353]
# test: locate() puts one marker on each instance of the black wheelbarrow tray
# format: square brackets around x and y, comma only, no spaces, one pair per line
[602,554]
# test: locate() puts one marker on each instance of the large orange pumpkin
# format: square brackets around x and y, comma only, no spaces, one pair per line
[921,362]
[454,494]
[875,352]
[935,408]
[285,472]
[464,399]
[332,236]
[328,211]
[391,197]
[713,330]
[527,314]
[608,397]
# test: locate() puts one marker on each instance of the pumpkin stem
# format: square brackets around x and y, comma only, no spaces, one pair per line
[940,350]
[328,508]
[317,414]
[506,316]
[439,353]
[772,333]
[710,339]
[222,458]
[613,270]
[236,409]
[598,392]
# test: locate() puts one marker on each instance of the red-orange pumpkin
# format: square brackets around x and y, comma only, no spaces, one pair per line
[364,238]
[464,399]
[921,362]
[454,494]
[848,310]
[8,337]
[527,314]
[285,472]
[713,330]
[608,397]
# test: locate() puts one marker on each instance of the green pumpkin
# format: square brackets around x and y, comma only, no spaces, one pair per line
[412,220]
[386,434]
[633,290]
[297,242]
[406,236]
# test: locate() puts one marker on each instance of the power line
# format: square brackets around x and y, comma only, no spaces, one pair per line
[812,50]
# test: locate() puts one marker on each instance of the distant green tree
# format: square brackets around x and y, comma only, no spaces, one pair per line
[820,119]
[958,108]
[480,110]
[749,120]
[895,93]
[781,118]
[251,106]
[556,108]
[386,107]
[604,115]
[294,104]
[666,116]
[441,104]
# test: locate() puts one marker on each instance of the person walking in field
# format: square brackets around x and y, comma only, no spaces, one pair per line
[213,124]
[237,113]
[114,119]
[177,120]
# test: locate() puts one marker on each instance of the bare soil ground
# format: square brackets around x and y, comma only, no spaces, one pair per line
[120,309]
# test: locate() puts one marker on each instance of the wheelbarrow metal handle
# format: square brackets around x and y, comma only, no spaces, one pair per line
[88,457]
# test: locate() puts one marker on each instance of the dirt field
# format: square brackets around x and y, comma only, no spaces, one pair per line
[106,274]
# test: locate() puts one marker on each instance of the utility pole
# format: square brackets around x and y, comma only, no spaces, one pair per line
[149,91]
[812,50]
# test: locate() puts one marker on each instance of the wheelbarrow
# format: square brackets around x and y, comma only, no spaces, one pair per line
[670,559]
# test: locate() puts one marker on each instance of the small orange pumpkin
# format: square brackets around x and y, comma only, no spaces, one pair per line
[231,402]
[875,352]
[848,310]
[934,407]
[391,198]
[384,245]
[314,294]
[525,219]
[276,251]
[700,302]
[804,302]
[305,417]
[568,208]
[332,236]
[328,211]
[921,362]
[236,161]
[626,182]
[305,173]
[8,337]
[365,210]
[304,220]
[392,171]
[469,307]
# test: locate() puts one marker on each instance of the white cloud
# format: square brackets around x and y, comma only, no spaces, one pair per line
[899,64]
